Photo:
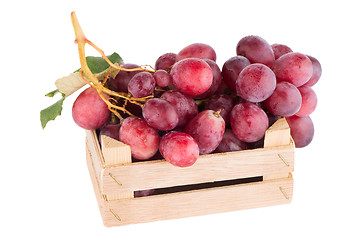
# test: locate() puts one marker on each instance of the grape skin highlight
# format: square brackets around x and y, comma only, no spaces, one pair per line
[248,122]
[143,139]
[207,128]
[179,149]
[141,85]
[295,68]
[160,114]
[192,76]
[255,83]
[285,101]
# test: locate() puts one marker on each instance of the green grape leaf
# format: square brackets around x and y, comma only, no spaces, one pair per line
[98,65]
[50,113]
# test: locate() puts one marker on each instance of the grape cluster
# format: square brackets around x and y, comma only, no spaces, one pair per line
[197,108]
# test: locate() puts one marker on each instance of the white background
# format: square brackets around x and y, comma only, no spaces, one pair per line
[46,191]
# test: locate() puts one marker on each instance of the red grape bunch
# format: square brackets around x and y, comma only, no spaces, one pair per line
[188,105]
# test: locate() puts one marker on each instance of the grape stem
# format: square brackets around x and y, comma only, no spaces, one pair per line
[81,41]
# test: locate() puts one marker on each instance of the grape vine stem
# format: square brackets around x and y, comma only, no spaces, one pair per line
[81,41]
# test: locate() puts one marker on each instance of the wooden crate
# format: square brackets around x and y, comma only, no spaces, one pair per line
[234,181]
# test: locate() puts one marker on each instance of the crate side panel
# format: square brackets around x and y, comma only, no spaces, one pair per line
[199,202]
[208,168]
[99,197]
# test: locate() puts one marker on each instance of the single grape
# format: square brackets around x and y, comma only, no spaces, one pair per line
[223,102]
[89,111]
[295,68]
[110,130]
[141,85]
[280,49]
[217,79]
[230,143]
[285,101]
[165,61]
[179,149]
[143,139]
[248,122]
[256,49]
[301,130]
[185,106]
[162,78]
[316,72]
[192,76]
[255,83]
[231,70]
[207,128]
[160,114]
[197,50]
[309,101]
[121,81]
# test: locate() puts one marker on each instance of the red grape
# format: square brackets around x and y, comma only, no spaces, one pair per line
[197,50]
[143,139]
[185,106]
[179,149]
[141,85]
[249,122]
[225,103]
[309,101]
[165,61]
[217,79]
[231,70]
[285,101]
[255,83]
[207,128]
[256,49]
[192,76]
[295,68]
[316,72]
[280,49]
[301,129]
[122,79]
[89,111]
[230,143]
[162,78]
[160,114]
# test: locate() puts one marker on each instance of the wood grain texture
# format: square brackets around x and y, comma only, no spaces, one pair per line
[278,134]
[115,178]
[199,202]
[208,168]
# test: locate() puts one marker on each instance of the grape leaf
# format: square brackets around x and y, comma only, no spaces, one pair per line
[71,83]
[50,113]
[98,64]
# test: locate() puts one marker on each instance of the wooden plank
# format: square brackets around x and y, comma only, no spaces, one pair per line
[208,168]
[199,202]
[116,153]
[278,134]
[99,197]
[92,145]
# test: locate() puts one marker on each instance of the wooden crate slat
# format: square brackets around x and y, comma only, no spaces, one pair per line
[208,168]
[198,202]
